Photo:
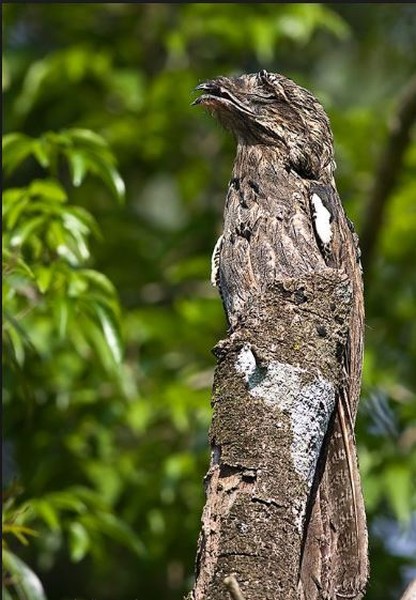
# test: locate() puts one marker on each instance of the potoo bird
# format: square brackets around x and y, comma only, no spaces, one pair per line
[283,218]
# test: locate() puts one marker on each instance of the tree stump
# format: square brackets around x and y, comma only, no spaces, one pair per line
[284,516]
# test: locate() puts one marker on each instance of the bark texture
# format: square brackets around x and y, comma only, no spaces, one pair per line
[284,516]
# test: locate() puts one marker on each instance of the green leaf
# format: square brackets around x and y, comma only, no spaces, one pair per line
[91,332]
[33,84]
[79,541]
[66,500]
[62,311]
[25,581]
[49,189]
[86,137]
[109,175]
[91,153]
[16,265]
[86,218]
[77,230]
[45,511]
[58,239]
[22,234]
[14,203]
[40,149]
[15,147]
[100,281]
[21,532]
[77,284]
[90,497]
[43,278]
[74,224]
[16,341]
[78,165]
[111,332]
[120,532]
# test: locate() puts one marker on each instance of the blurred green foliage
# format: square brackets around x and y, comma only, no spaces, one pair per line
[109,317]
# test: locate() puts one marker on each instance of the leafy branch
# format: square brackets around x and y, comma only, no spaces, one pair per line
[48,283]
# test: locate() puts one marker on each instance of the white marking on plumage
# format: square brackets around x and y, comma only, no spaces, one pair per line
[322,219]
[215,262]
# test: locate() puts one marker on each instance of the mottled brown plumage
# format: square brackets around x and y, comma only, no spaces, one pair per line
[283,219]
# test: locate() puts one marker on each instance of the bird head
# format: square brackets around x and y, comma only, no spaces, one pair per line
[270,109]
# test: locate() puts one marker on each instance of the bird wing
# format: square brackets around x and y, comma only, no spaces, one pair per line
[334,558]
[334,563]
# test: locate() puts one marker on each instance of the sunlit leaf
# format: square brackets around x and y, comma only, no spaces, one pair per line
[22,233]
[25,582]
[109,175]
[78,165]
[15,147]
[13,263]
[21,532]
[62,309]
[41,152]
[79,541]
[78,231]
[90,497]
[67,500]
[58,239]
[92,336]
[14,203]
[87,137]
[111,332]
[99,280]
[17,341]
[46,511]
[50,189]
[86,218]
[77,285]
[43,277]
[32,84]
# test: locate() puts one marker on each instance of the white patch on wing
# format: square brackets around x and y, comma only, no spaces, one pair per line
[215,262]
[322,219]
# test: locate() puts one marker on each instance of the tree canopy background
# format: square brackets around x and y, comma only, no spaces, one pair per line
[109,317]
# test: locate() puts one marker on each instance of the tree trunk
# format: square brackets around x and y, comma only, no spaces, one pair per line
[284,516]
[274,395]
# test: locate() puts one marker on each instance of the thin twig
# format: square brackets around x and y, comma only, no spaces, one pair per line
[232,586]
[388,171]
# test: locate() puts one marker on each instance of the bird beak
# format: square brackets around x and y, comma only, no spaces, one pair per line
[206,86]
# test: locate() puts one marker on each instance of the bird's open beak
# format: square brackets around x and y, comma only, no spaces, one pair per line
[218,96]
[213,95]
